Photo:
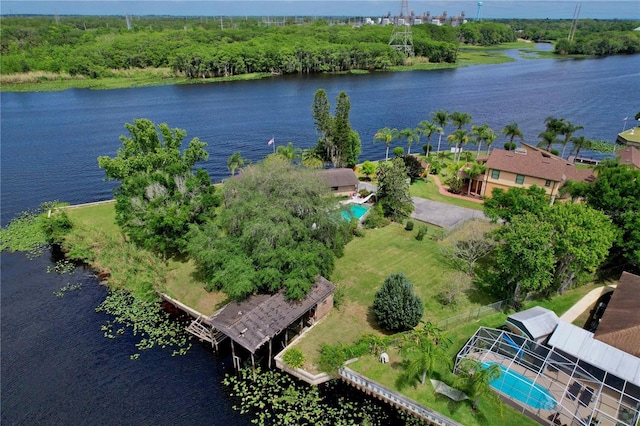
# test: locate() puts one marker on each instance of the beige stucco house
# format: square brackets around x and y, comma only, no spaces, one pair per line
[527,166]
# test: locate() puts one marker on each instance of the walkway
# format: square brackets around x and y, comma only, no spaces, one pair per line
[585,303]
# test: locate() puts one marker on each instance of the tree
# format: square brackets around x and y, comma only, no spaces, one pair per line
[411,135]
[282,228]
[512,131]
[525,259]
[393,189]
[441,118]
[477,380]
[428,128]
[616,192]
[547,139]
[483,133]
[505,205]
[338,142]
[474,171]
[567,130]
[422,349]
[413,166]
[470,244]
[460,119]
[395,306]
[159,195]
[311,158]
[288,152]
[387,136]
[459,138]
[398,152]
[580,143]
[235,162]
[368,168]
[582,239]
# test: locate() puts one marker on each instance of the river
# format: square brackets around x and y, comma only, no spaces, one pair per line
[57,368]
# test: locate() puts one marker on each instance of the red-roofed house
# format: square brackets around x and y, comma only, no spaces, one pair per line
[527,166]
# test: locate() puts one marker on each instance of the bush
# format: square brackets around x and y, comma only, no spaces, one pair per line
[455,184]
[510,146]
[398,151]
[375,218]
[409,225]
[413,166]
[421,233]
[395,306]
[293,358]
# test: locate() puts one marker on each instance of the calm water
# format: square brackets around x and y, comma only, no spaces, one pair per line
[57,368]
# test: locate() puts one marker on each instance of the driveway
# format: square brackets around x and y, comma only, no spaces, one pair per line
[441,214]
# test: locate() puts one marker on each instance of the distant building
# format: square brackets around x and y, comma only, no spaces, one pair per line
[343,181]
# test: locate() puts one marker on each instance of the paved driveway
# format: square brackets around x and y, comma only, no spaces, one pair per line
[441,214]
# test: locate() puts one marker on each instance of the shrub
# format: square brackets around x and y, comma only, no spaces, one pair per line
[398,151]
[375,218]
[409,225]
[426,148]
[421,233]
[510,146]
[395,306]
[455,183]
[413,166]
[293,358]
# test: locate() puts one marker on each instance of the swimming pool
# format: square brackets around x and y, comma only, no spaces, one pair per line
[355,210]
[523,389]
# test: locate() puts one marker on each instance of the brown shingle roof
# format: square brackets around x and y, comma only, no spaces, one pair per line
[620,324]
[340,177]
[257,319]
[629,155]
[535,162]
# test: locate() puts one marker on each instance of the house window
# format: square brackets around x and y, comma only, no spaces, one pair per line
[547,183]
[519,179]
[495,174]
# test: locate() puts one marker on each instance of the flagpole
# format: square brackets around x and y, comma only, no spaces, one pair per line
[273,138]
[625,123]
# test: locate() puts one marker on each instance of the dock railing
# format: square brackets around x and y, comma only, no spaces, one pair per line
[394,398]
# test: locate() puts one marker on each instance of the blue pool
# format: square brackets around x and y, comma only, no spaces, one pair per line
[524,390]
[355,210]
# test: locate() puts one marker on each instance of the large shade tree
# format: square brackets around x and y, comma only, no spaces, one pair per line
[393,189]
[281,226]
[160,195]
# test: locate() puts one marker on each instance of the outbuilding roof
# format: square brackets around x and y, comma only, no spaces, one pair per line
[256,320]
[537,322]
[340,177]
[629,155]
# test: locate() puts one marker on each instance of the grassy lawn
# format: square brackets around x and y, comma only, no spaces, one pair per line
[429,190]
[363,268]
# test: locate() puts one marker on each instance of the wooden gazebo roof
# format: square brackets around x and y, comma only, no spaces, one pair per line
[257,319]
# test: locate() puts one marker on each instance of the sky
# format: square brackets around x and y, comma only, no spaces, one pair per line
[490,9]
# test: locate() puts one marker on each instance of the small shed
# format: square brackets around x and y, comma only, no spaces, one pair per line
[343,181]
[256,320]
[536,323]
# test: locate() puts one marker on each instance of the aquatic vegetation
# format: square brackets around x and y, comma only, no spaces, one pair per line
[67,288]
[145,319]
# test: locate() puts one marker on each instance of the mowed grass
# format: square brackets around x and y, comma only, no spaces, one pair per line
[367,262]
[429,190]
[95,227]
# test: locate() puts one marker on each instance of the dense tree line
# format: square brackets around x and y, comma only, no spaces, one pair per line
[592,37]
[204,48]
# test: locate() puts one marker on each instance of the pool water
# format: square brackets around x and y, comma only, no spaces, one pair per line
[523,389]
[355,210]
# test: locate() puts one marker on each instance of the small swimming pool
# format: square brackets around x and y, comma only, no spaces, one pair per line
[523,389]
[355,210]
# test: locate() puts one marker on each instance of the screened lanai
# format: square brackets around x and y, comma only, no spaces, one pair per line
[557,387]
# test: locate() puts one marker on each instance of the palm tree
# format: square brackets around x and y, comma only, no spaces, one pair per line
[441,118]
[310,158]
[423,348]
[235,162]
[386,135]
[474,171]
[548,138]
[567,130]
[428,128]
[288,152]
[554,124]
[476,379]
[460,119]
[579,143]
[412,135]
[460,137]
[512,131]
[483,133]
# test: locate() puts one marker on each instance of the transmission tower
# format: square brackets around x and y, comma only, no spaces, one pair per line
[574,24]
[401,38]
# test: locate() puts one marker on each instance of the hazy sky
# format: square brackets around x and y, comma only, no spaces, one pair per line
[554,9]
